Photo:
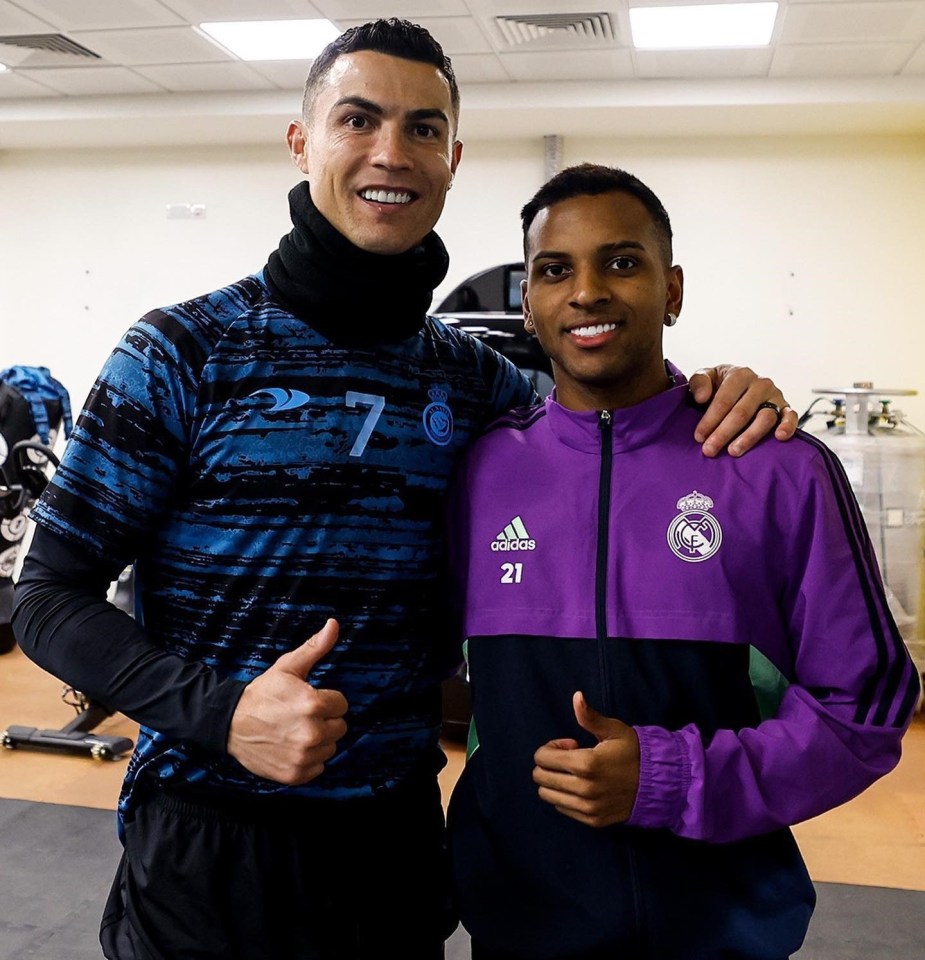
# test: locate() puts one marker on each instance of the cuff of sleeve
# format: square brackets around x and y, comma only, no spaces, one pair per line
[217,720]
[664,778]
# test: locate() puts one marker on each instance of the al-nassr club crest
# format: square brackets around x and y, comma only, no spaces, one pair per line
[695,534]
[438,418]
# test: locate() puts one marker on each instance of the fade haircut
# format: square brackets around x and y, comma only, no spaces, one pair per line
[395,37]
[592,179]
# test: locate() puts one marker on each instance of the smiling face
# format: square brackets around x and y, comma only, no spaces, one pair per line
[378,149]
[596,295]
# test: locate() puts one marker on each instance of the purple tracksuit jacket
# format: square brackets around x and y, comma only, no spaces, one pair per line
[604,553]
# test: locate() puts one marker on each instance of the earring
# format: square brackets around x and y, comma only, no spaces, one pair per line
[671,319]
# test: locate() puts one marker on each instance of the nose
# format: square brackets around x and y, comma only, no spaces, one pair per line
[391,149]
[589,289]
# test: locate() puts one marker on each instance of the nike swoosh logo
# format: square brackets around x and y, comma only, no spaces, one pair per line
[283,399]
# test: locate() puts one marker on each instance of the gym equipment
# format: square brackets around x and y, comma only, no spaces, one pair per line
[22,479]
[32,406]
[489,306]
[75,737]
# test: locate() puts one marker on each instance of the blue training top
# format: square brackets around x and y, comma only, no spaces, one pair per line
[263,479]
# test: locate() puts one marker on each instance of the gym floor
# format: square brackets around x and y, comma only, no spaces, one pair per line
[58,846]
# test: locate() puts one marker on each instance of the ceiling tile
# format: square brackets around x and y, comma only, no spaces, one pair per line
[689,64]
[206,76]
[499,8]
[454,34]
[287,74]
[103,14]
[478,68]
[206,11]
[13,85]
[151,45]
[363,10]
[849,21]
[840,60]
[83,81]
[588,65]
[14,20]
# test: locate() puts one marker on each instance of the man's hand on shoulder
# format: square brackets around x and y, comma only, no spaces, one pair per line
[743,408]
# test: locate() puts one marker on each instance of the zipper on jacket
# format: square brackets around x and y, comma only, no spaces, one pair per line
[605,424]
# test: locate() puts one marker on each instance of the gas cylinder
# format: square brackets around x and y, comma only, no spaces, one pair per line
[884,457]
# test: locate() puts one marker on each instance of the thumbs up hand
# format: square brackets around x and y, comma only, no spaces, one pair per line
[593,785]
[283,728]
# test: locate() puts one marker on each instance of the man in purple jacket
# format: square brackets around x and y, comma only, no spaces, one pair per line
[626,797]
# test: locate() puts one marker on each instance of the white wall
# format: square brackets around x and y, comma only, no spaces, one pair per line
[802,257]
[86,246]
[481,221]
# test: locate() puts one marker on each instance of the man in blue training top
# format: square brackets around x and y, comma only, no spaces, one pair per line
[273,458]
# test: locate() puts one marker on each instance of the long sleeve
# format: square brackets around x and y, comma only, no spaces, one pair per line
[64,623]
[852,692]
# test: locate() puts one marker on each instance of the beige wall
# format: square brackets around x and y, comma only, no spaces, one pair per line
[802,256]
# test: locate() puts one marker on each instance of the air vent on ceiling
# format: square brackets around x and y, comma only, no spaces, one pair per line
[45,49]
[545,29]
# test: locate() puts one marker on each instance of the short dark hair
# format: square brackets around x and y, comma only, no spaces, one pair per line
[592,179]
[395,37]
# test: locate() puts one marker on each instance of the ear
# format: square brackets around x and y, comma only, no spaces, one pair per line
[528,313]
[456,156]
[675,296]
[297,138]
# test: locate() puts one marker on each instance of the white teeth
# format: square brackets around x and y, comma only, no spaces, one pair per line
[594,331]
[385,196]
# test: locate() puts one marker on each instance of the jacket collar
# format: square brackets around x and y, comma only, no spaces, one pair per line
[632,427]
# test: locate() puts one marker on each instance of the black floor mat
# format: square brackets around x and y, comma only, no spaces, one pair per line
[57,862]
[56,866]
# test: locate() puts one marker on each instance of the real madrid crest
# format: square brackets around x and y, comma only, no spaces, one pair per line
[438,418]
[695,534]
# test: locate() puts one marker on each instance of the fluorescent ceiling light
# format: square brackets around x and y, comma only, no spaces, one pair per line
[2,67]
[703,26]
[272,39]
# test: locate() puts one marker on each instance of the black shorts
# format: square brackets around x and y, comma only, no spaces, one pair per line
[282,879]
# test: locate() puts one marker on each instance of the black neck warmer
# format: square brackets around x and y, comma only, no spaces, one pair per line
[352,297]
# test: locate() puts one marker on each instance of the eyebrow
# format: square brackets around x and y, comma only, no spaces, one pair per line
[616,247]
[370,106]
